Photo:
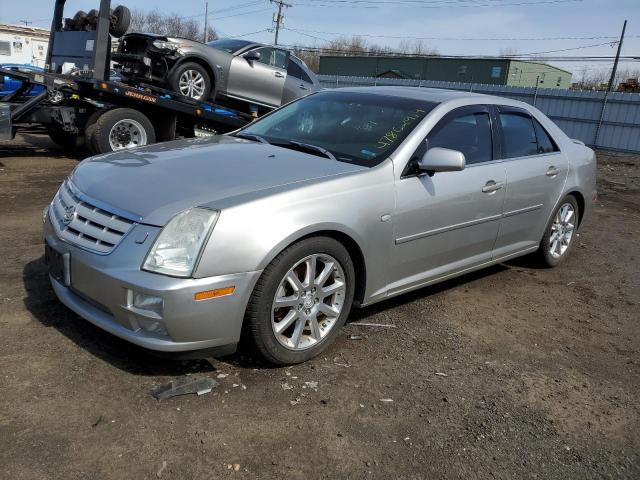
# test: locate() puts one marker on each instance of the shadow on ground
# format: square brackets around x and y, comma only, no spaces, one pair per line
[45,307]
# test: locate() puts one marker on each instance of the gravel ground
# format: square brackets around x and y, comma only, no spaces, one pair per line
[513,372]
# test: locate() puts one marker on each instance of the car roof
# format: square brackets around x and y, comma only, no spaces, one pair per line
[435,95]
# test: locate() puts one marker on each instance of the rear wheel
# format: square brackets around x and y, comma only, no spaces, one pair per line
[301,300]
[191,80]
[120,129]
[558,238]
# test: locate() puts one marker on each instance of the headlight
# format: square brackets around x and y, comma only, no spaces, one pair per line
[163,45]
[177,249]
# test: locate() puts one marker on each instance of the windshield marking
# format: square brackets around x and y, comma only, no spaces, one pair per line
[391,136]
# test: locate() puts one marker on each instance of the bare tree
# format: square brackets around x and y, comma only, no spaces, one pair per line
[416,47]
[508,51]
[169,24]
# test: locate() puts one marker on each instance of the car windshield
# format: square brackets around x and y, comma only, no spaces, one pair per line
[229,45]
[359,128]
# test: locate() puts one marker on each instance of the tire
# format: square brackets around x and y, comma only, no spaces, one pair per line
[65,139]
[262,319]
[90,127]
[120,21]
[549,255]
[136,130]
[79,20]
[182,73]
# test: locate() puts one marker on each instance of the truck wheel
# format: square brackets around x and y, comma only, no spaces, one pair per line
[120,21]
[65,139]
[121,128]
[191,80]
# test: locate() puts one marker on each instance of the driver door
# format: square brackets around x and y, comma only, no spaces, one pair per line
[260,81]
[448,222]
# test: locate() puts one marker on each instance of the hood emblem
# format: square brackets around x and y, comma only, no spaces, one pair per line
[69,215]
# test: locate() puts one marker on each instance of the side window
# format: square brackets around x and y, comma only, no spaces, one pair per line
[519,135]
[296,71]
[545,142]
[273,57]
[468,133]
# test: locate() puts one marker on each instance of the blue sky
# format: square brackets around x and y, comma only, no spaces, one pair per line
[453,20]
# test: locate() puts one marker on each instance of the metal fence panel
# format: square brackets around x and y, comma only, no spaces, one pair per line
[613,118]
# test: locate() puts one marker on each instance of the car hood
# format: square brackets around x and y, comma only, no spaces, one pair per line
[156,182]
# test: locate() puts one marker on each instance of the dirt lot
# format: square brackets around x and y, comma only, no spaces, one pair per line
[514,372]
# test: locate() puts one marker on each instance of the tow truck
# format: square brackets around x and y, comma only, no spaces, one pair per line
[82,105]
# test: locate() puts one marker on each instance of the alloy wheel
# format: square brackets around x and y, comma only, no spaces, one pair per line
[308,301]
[191,84]
[562,230]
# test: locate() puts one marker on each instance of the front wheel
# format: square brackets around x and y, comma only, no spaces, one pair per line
[191,80]
[558,238]
[301,300]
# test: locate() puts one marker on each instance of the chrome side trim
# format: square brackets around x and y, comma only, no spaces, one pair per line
[417,236]
[523,210]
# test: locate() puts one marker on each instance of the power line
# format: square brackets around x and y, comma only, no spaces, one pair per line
[326,3]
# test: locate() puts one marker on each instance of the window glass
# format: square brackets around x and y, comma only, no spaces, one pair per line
[469,134]
[229,45]
[273,57]
[360,128]
[296,71]
[545,142]
[519,135]
[5,48]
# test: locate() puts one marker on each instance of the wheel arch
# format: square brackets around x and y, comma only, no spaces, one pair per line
[581,204]
[347,239]
[204,63]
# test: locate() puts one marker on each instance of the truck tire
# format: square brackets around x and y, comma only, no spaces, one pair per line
[120,21]
[65,139]
[120,129]
[191,80]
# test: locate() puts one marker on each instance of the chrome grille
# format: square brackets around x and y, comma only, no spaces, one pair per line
[77,221]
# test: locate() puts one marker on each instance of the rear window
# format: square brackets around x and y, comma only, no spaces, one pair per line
[296,70]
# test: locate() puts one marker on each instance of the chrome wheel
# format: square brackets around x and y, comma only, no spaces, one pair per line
[191,84]
[127,133]
[308,301]
[562,230]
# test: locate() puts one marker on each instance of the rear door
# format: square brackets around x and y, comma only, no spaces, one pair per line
[260,81]
[298,83]
[536,173]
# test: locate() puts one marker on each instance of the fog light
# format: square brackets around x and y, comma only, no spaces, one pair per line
[150,303]
[151,326]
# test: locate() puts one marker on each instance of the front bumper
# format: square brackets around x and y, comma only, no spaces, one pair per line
[102,286]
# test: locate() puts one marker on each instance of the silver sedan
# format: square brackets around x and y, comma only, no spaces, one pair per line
[345,197]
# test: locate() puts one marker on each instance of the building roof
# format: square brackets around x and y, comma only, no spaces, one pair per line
[23,30]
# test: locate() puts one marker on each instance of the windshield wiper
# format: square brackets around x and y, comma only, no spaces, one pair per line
[251,136]
[315,148]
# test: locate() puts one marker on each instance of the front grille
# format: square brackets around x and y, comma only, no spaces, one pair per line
[77,221]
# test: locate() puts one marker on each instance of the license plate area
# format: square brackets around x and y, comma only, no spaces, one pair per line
[58,264]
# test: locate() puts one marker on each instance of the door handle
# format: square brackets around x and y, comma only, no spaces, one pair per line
[303,87]
[278,75]
[492,186]
[552,171]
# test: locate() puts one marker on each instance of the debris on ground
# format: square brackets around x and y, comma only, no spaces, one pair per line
[185,385]
[223,375]
[355,337]
[369,324]
[97,422]
[286,386]
[441,374]
[312,385]
[233,466]
[161,469]
[386,400]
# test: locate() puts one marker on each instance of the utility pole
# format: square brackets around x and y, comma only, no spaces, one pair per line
[206,22]
[615,63]
[26,22]
[279,17]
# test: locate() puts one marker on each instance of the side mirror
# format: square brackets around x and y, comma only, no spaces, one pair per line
[438,159]
[252,55]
